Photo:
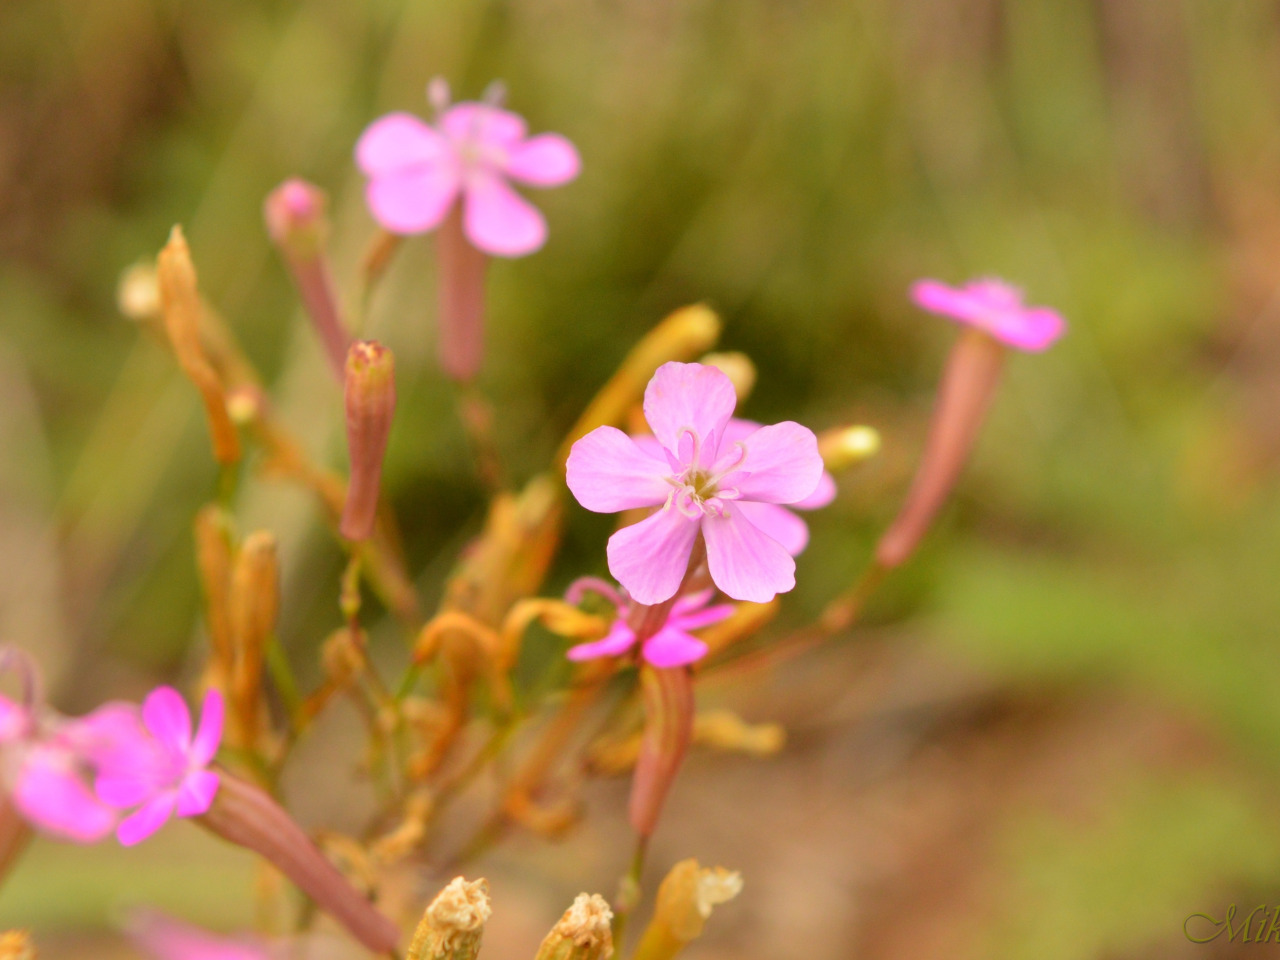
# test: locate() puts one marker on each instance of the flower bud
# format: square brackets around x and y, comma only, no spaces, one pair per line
[245,815]
[846,447]
[453,923]
[214,558]
[460,322]
[17,945]
[685,334]
[668,728]
[725,730]
[297,224]
[968,384]
[685,900]
[583,933]
[180,300]
[371,402]
[138,292]
[738,367]
[254,605]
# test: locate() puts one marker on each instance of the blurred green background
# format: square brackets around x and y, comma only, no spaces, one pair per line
[1105,581]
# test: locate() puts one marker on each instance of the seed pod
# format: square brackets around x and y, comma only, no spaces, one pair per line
[583,933]
[668,728]
[460,321]
[254,605]
[371,403]
[452,925]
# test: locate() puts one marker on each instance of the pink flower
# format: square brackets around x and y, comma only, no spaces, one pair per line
[671,646]
[165,938]
[994,306]
[166,773]
[417,170]
[699,485]
[777,521]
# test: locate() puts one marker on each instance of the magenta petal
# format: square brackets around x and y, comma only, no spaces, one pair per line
[670,647]
[413,200]
[702,618]
[608,472]
[138,826]
[547,160]
[14,720]
[125,788]
[939,298]
[777,522]
[51,795]
[689,396]
[167,939]
[616,642]
[650,558]
[746,563]
[397,141]
[498,220]
[822,494]
[166,715]
[1033,330]
[480,125]
[196,793]
[782,464]
[209,735]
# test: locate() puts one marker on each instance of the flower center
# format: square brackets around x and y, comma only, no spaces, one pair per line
[698,490]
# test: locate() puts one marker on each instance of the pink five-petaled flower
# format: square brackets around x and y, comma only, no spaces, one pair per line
[699,485]
[170,776]
[995,307]
[671,646]
[416,171]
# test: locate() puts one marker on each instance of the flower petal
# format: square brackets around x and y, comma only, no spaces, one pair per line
[165,938]
[616,642]
[14,719]
[701,618]
[822,494]
[777,522]
[167,718]
[547,160]
[746,563]
[398,141]
[782,464]
[689,396]
[1035,329]
[209,735]
[607,472]
[196,792]
[670,647]
[413,200]
[123,789]
[958,303]
[650,558]
[138,826]
[481,125]
[498,220]
[51,795]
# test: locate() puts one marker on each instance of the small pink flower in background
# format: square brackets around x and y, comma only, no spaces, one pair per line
[995,307]
[671,646]
[779,522]
[699,485]
[166,938]
[418,170]
[169,775]
[15,720]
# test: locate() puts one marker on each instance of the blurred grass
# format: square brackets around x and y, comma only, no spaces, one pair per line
[794,164]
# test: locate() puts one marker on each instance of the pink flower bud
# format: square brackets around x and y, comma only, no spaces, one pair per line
[371,402]
[296,222]
[247,816]
[460,321]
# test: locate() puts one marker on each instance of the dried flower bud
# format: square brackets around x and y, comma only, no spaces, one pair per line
[371,402]
[214,558]
[453,923]
[180,300]
[460,322]
[668,728]
[725,730]
[845,447]
[685,900]
[738,367]
[17,945]
[685,334]
[138,292]
[584,932]
[254,606]
[295,213]
[968,384]
[245,815]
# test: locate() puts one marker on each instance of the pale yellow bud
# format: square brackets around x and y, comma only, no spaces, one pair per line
[585,932]
[845,447]
[685,901]
[138,293]
[453,923]
[725,730]
[738,367]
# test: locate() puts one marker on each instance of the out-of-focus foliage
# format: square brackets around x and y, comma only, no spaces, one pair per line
[795,164]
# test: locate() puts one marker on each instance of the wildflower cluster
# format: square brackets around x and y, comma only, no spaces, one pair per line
[708,540]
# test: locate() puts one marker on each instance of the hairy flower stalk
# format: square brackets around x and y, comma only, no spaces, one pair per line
[453,923]
[371,403]
[297,224]
[245,815]
[994,318]
[583,933]
[460,287]
[180,300]
[685,901]
[254,604]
